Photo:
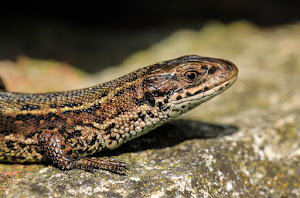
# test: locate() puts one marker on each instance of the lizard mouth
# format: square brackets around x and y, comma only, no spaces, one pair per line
[185,104]
[200,96]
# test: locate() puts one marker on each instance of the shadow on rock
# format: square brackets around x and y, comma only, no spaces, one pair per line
[171,134]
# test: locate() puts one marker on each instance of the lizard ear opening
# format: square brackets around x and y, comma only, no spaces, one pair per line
[147,99]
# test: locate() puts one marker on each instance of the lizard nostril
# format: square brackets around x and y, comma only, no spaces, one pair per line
[228,68]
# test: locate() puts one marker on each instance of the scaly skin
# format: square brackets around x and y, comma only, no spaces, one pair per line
[65,127]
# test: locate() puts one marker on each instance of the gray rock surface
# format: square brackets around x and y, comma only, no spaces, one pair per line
[243,143]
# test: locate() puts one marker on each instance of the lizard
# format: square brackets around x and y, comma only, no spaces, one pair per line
[67,127]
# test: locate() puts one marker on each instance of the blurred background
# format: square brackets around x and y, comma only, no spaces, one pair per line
[92,36]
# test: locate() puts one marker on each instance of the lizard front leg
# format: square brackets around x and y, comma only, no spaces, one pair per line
[56,148]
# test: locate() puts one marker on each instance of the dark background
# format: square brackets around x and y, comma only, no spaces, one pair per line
[93,35]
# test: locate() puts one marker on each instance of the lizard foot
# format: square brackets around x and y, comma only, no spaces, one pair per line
[93,164]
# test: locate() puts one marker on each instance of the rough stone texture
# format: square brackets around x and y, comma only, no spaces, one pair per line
[243,143]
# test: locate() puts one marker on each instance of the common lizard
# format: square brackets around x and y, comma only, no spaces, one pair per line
[65,127]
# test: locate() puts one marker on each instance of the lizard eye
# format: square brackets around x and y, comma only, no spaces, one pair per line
[191,76]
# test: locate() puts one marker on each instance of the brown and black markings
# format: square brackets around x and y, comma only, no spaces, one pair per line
[65,127]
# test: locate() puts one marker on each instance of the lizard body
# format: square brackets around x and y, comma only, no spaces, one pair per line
[65,127]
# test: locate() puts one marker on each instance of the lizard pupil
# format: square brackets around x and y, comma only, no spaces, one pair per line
[191,75]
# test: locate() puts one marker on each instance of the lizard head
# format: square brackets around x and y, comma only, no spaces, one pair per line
[164,91]
[178,85]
